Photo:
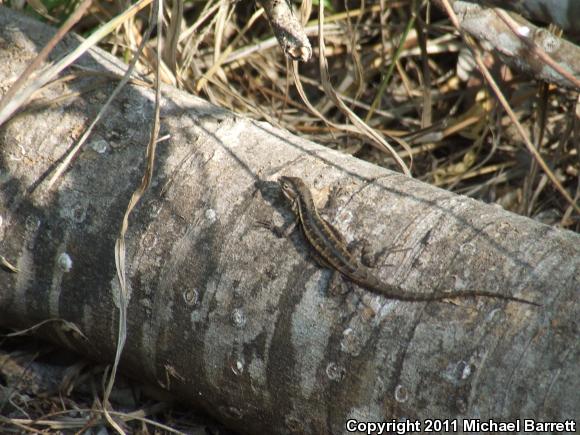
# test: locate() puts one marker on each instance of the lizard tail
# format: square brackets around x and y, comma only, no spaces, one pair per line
[393,292]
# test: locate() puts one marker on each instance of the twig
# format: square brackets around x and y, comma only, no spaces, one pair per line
[288,30]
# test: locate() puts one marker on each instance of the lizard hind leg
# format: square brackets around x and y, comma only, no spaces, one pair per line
[368,257]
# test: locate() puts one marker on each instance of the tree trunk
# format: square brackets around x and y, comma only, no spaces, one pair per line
[231,318]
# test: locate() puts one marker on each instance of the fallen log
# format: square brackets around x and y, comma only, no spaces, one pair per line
[230,318]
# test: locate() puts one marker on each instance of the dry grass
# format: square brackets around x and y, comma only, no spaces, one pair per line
[402,69]
[44,389]
[398,65]
[407,74]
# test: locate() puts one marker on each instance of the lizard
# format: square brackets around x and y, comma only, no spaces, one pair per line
[331,251]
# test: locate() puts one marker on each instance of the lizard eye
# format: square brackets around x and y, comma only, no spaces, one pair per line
[287,189]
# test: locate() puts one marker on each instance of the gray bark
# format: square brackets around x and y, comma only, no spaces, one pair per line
[234,320]
[519,47]
[564,13]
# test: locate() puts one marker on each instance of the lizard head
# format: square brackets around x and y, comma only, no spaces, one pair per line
[290,187]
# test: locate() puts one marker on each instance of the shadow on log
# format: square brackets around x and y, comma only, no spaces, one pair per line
[229,318]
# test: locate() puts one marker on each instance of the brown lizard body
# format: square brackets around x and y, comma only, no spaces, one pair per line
[330,247]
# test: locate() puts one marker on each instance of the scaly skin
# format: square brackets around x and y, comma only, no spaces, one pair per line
[331,248]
